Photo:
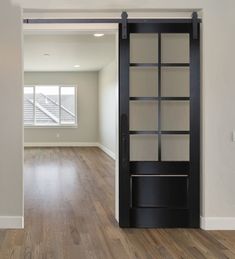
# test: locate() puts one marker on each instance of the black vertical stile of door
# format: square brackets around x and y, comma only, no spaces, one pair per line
[153,178]
[194,181]
[124,142]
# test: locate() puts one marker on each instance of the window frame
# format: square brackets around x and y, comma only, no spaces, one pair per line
[34,125]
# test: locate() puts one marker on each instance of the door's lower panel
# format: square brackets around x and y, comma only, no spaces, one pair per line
[170,192]
[159,218]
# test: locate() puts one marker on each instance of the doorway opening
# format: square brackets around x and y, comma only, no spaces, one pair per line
[159,121]
[71,119]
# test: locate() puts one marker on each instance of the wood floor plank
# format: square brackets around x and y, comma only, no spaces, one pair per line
[69,214]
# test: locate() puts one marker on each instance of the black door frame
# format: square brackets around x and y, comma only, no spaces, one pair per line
[194,165]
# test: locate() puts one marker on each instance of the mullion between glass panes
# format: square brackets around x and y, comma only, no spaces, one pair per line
[159,96]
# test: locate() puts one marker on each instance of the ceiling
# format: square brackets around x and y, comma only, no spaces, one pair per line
[62,52]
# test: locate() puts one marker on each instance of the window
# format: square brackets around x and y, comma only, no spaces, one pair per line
[50,105]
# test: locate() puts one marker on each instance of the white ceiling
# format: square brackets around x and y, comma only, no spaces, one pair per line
[66,50]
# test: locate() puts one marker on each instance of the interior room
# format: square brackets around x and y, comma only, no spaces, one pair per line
[117,129]
[70,121]
[78,73]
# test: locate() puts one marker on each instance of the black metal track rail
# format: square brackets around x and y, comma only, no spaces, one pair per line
[97,20]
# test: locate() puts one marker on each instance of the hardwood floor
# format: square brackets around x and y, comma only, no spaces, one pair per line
[69,213]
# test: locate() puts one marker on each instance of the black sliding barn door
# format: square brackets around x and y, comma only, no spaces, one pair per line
[159,147]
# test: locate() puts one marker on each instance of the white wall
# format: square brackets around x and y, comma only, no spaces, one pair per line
[113,4]
[11,117]
[108,89]
[218,112]
[87,108]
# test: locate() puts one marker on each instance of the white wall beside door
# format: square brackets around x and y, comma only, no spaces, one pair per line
[108,87]
[11,117]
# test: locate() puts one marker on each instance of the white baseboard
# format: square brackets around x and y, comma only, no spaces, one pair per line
[17,222]
[218,223]
[61,144]
[107,151]
[11,222]
[71,144]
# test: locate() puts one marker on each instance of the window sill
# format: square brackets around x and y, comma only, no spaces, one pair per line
[51,127]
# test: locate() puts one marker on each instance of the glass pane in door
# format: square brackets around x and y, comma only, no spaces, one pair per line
[143,115]
[175,147]
[175,48]
[143,48]
[175,115]
[143,148]
[143,81]
[175,81]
